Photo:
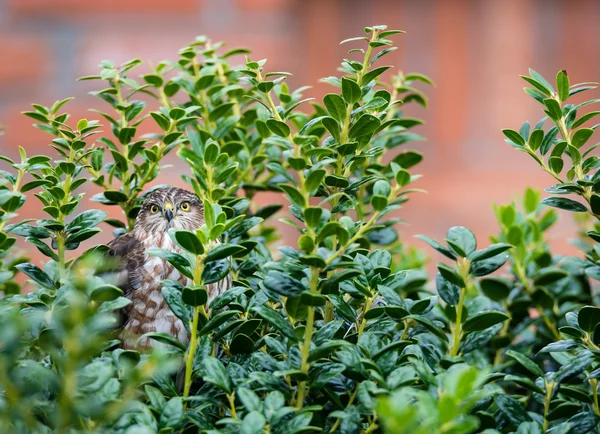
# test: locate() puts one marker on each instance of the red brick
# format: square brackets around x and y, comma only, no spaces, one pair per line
[451,53]
[63,8]
[21,132]
[24,60]
[153,47]
[269,5]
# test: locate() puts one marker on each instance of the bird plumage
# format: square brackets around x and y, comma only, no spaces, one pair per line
[140,274]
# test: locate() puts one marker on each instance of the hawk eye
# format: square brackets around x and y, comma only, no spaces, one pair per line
[154,209]
[185,206]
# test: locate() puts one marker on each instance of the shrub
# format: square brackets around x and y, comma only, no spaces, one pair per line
[342,331]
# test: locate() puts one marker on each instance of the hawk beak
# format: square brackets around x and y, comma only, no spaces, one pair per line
[169,211]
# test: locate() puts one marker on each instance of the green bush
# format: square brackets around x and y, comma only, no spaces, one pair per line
[341,332]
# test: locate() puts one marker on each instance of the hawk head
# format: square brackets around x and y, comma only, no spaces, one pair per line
[167,208]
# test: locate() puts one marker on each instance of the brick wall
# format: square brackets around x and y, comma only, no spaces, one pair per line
[473,50]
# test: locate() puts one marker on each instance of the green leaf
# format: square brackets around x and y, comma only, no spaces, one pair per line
[314,178]
[223,251]
[350,90]
[589,318]
[176,113]
[187,240]
[116,196]
[528,364]
[437,246]
[514,137]
[495,288]
[283,284]
[37,275]
[279,128]
[595,203]
[86,219]
[536,139]
[575,367]
[429,325]
[487,266]
[483,320]
[215,373]
[489,252]
[294,195]
[276,320]
[583,119]
[463,238]
[554,110]
[164,338]
[253,423]
[249,399]
[153,80]
[333,128]
[564,203]
[562,85]
[172,413]
[448,292]
[556,164]
[365,125]
[216,321]
[156,398]
[220,111]
[451,275]
[194,296]
[312,216]
[548,276]
[82,235]
[336,181]
[373,74]
[536,76]
[581,137]
[161,120]
[106,293]
[335,106]
[559,346]
[178,261]
[511,408]
[126,135]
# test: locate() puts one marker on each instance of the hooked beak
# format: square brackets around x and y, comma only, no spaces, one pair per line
[168,210]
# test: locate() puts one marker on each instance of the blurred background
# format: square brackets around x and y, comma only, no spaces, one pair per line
[473,50]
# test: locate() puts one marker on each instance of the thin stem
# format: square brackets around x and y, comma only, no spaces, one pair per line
[373,425]
[547,399]
[407,324]
[368,52]
[364,321]
[594,384]
[60,250]
[231,399]
[189,361]
[358,234]
[457,330]
[297,149]
[69,384]
[350,401]
[305,351]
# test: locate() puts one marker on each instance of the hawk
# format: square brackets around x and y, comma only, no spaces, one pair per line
[139,274]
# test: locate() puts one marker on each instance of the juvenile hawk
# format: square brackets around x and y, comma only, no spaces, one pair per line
[139,274]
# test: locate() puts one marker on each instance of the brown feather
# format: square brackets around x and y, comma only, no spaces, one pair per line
[140,274]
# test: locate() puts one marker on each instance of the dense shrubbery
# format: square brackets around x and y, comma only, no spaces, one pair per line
[341,332]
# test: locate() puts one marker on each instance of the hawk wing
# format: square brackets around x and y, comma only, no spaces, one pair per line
[128,254]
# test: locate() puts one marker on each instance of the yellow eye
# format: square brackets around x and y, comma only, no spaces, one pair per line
[185,206]
[154,209]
